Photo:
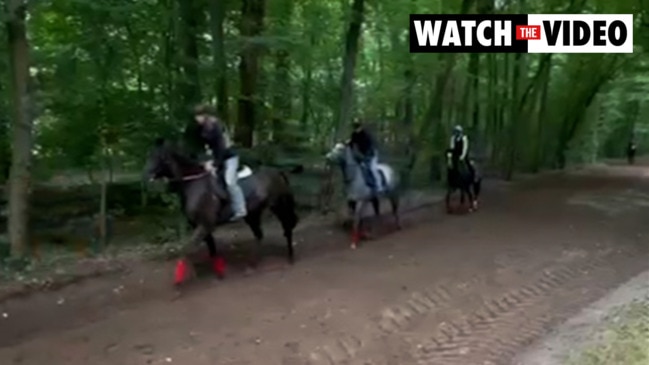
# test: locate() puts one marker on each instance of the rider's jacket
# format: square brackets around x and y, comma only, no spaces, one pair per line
[460,146]
[363,142]
[217,139]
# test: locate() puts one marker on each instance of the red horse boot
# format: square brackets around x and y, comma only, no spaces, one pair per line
[180,274]
[218,265]
[356,237]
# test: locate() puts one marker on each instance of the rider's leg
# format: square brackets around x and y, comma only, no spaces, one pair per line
[374,169]
[236,195]
[370,180]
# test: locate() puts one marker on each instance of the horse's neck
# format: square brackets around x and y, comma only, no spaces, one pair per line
[349,166]
[186,168]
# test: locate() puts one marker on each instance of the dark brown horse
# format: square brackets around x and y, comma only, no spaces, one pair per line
[206,209]
[460,177]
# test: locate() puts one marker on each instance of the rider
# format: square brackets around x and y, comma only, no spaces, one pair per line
[224,158]
[459,146]
[364,146]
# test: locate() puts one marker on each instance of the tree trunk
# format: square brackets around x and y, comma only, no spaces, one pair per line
[5,151]
[21,128]
[282,95]
[190,14]
[349,65]
[408,125]
[217,18]
[306,85]
[252,18]
[515,116]
[188,85]
[545,81]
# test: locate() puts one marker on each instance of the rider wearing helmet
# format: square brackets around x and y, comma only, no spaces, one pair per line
[364,146]
[459,146]
[224,158]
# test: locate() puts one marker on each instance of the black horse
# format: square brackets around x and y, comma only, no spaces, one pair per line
[460,177]
[206,209]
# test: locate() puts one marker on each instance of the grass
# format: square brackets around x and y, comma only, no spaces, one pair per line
[624,342]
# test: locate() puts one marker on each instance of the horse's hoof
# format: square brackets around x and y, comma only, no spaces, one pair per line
[353,246]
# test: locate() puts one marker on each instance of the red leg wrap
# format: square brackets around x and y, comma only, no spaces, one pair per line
[181,272]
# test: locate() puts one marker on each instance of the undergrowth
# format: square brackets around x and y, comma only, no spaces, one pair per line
[624,342]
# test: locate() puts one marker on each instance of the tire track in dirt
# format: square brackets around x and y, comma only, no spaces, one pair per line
[493,333]
[393,319]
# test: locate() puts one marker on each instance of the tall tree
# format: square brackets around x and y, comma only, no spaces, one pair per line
[190,19]
[217,20]
[282,100]
[252,24]
[349,65]
[21,127]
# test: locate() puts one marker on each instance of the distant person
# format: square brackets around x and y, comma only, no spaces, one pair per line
[459,145]
[225,160]
[365,150]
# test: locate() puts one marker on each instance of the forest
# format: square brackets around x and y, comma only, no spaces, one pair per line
[88,85]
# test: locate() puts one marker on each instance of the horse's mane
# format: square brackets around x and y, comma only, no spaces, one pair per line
[180,156]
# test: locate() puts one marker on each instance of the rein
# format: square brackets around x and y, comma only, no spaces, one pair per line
[189,177]
[194,177]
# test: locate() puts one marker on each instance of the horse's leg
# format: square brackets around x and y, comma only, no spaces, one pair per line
[351,208]
[182,266]
[284,210]
[470,195]
[449,191]
[394,202]
[462,196]
[253,220]
[376,205]
[218,262]
[356,224]
[476,192]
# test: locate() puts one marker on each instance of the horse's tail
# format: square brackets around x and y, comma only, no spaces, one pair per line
[285,207]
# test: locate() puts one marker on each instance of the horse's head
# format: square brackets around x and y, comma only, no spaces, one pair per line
[165,161]
[337,153]
[160,162]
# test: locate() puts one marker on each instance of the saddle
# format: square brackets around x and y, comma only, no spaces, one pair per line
[220,190]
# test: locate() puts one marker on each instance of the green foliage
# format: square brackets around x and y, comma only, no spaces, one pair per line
[113,75]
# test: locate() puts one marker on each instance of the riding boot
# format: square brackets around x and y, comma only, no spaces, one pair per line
[238,201]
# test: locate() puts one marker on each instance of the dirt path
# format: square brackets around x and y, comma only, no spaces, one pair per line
[452,290]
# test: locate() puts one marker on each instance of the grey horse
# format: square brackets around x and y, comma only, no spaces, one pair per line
[358,193]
